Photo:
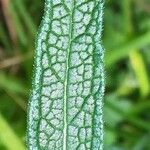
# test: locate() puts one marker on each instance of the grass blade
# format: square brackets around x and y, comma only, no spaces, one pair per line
[8,137]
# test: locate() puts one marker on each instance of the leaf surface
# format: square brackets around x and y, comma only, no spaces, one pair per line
[65,109]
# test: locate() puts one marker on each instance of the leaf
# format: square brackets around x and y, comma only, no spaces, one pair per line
[142,142]
[139,67]
[8,137]
[11,84]
[122,112]
[65,110]
[110,113]
[122,51]
[23,12]
[109,138]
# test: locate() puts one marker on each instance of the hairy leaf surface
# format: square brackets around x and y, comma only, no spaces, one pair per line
[65,109]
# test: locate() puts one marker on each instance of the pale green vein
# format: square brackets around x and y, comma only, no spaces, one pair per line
[67,77]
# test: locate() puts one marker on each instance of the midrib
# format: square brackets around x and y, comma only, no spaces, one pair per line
[67,76]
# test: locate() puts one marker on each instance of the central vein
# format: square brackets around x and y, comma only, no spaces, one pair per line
[67,76]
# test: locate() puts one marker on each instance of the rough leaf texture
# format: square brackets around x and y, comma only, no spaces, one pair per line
[65,109]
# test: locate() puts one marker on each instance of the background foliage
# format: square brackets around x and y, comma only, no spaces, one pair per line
[126,38]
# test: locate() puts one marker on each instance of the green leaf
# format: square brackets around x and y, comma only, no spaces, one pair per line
[139,67]
[8,137]
[126,115]
[111,114]
[122,51]
[109,138]
[142,142]
[12,84]
[23,12]
[65,110]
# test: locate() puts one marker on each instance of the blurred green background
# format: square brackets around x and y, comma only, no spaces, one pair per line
[126,38]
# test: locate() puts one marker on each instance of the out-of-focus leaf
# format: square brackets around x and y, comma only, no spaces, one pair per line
[122,111]
[142,143]
[8,137]
[112,117]
[3,38]
[138,65]
[19,27]
[113,148]
[11,84]
[109,138]
[26,18]
[127,85]
[122,51]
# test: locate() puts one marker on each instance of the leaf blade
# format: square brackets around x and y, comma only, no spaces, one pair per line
[6,133]
[68,84]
